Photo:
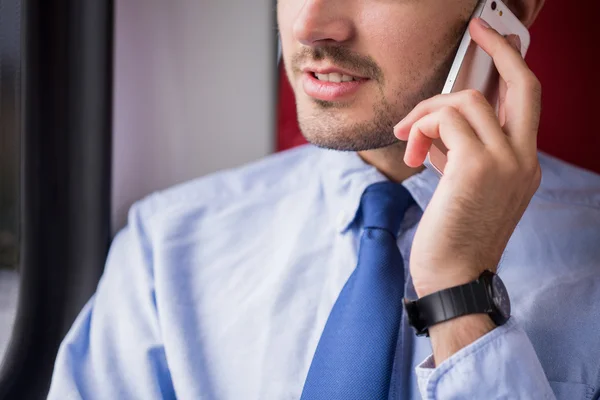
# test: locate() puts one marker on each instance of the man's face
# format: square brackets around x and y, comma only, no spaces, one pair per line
[388,54]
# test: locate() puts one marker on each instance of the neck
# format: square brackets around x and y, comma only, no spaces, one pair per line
[390,162]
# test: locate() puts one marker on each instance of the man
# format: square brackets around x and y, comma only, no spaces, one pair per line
[285,279]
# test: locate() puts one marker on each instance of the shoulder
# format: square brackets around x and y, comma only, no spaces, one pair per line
[569,185]
[556,240]
[272,177]
[558,233]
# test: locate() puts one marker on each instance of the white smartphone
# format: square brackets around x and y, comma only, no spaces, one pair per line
[473,68]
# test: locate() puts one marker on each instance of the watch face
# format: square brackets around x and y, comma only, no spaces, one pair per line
[500,297]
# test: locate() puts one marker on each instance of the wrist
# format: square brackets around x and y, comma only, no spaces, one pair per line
[427,285]
[450,336]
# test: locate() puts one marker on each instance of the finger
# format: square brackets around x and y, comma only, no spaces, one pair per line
[418,145]
[501,102]
[446,124]
[508,60]
[471,104]
[523,97]
[502,87]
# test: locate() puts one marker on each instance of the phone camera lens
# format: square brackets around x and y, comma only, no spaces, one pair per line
[494,5]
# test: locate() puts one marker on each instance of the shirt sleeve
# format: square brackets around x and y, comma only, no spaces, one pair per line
[114,349]
[501,364]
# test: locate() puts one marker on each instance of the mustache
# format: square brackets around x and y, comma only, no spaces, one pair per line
[341,57]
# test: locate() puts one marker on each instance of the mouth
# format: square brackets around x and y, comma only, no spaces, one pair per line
[335,77]
[331,84]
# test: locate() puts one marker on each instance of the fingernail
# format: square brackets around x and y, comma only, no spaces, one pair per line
[398,126]
[483,23]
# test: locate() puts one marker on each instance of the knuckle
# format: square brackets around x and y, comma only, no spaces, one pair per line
[448,113]
[416,129]
[473,96]
[534,84]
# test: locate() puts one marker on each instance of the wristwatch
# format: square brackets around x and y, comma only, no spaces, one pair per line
[485,295]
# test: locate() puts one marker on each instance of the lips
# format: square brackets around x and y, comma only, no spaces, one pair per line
[333,85]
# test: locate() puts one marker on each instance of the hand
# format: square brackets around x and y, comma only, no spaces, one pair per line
[491,174]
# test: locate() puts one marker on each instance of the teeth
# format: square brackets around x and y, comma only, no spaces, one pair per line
[334,77]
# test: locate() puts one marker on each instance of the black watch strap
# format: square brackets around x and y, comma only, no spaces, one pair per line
[470,298]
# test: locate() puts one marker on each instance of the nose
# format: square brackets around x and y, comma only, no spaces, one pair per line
[322,22]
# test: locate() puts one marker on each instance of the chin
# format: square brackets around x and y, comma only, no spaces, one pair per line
[340,128]
[355,138]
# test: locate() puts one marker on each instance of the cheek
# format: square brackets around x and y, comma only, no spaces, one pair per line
[411,50]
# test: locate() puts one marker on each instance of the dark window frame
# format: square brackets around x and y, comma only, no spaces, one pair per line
[65,181]
[10,68]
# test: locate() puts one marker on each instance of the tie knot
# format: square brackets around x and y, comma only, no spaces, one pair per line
[383,206]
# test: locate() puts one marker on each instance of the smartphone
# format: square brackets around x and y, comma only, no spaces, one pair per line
[473,68]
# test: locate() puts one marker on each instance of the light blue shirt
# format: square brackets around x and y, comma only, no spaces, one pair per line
[220,289]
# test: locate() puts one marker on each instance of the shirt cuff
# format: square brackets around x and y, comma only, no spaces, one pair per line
[500,364]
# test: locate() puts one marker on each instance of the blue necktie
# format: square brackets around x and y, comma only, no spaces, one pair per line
[355,355]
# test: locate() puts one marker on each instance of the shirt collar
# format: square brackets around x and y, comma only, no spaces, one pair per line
[347,176]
